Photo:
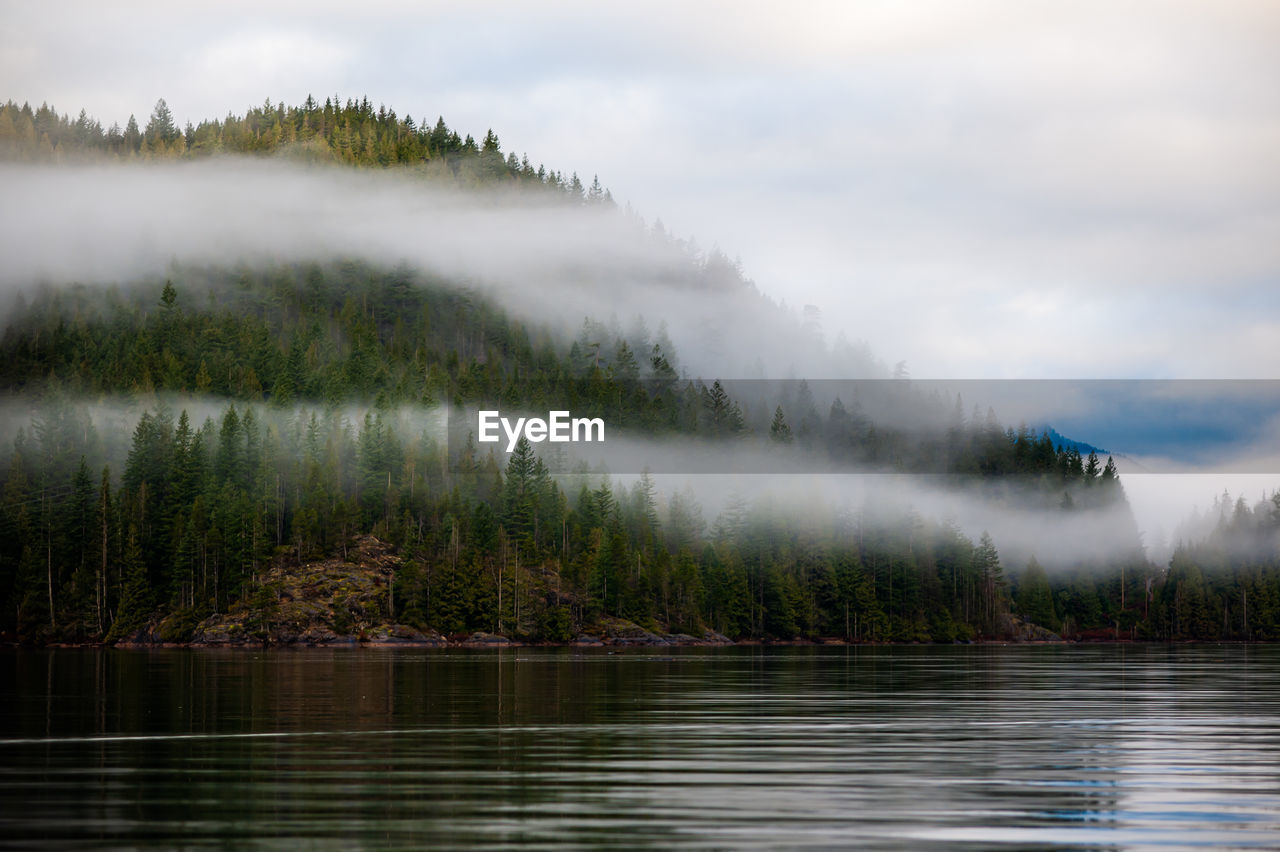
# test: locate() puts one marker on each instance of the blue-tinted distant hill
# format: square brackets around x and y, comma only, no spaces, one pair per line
[1061,441]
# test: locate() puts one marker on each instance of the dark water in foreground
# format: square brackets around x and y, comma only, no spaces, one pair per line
[978,747]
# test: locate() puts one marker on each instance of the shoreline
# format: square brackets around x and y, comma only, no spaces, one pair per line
[500,643]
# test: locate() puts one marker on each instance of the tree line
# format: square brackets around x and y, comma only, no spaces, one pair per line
[347,132]
[180,520]
[332,334]
[173,516]
[198,511]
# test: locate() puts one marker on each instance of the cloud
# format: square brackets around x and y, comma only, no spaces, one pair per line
[933,175]
[532,254]
[1021,522]
[291,61]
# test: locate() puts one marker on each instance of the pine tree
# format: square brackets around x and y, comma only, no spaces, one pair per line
[132,136]
[1091,469]
[161,133]
[718,409]
[779,431]
[986,563]
[1035,597]
[135,603]
[519,495]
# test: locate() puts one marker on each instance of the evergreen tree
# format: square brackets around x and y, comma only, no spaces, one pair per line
[1035,597]
[779,431]
[135,603]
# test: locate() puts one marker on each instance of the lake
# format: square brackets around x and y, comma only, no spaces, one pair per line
[1017,747]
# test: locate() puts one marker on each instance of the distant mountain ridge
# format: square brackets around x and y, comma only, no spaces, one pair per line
[1063,442]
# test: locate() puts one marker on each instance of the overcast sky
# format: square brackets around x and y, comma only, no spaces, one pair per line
[985,190]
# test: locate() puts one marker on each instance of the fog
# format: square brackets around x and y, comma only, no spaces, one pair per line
[987,189]
[790,487]
[795,486]
[555,263]
[786,483]
[539,257]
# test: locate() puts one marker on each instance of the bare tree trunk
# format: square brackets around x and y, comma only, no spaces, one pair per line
[100,587]
[48,551]
[279,512]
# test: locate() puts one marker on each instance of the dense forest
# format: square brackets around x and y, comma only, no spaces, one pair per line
[352,133]
[285,470]
[177,436]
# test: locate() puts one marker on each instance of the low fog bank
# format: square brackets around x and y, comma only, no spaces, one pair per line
[103,429]
[1186,508]
[556,263]
[1149,425]
[1020,519]
[867,503]
[1023,516]
[540,258]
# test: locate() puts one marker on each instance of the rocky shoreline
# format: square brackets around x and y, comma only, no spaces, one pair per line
[347,603]
[403,636]
[344,603]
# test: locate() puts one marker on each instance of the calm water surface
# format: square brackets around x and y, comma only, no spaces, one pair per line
[913,748]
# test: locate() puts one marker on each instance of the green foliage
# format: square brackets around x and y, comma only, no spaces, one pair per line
[779,431]
[336,133]
[1035,597]
[135,600]
[180,625]
[555,624]
[198,510]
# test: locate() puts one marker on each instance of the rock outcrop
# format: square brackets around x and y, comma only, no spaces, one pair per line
[333,602]
[1018,629]
[347,603]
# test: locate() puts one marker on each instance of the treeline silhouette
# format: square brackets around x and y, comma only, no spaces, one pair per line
[107,530]
[350,132]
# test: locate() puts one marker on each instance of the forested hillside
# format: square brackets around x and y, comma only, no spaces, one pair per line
[352,132]
[177,435]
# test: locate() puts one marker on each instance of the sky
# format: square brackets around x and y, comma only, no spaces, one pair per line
[984,190]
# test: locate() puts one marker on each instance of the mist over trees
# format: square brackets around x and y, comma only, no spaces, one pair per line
[175,521]
[199,510]
[535,239]
[276,413]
